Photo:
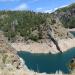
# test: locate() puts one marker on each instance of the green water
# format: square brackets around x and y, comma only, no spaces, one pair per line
[48,63]
[73,32]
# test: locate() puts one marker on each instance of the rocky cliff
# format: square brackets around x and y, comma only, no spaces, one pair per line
[66,15]
[53,31]
[9,60]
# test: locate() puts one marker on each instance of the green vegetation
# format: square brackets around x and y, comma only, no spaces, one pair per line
[24,23]
[67,16]
[21,22]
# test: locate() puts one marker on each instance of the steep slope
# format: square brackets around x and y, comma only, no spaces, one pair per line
[9,60]
[67,15]
[22,26]
[29,25]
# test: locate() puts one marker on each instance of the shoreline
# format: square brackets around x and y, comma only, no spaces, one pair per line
[64,45]
[35,47]
[27,71]
[73,29]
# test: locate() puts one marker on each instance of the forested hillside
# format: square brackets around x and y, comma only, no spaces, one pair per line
[21,23]
[34,26]
[67,15]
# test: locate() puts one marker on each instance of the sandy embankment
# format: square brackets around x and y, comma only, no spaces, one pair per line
[35,47]
[73,29]
[64,44]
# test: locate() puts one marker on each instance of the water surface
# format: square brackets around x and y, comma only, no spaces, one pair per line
[73,32]
[48,63]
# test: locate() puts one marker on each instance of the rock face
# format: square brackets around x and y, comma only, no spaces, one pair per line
[67,15]
[72,64]
[10,63]
[4,46]
[9,59]
[54,30]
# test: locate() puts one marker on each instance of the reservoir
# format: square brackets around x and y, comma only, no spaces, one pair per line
[73,32]
[49,63]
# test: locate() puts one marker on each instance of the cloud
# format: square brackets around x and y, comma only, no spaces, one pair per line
[44,10]
[52,10]
[23,6]
[39,9]
[63,6]
[59,7]
[48,11]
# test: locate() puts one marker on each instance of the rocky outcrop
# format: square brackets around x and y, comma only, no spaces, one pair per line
[9,60]
[55,42]
[72,64]
[10,63]
[53,30]
[66,15]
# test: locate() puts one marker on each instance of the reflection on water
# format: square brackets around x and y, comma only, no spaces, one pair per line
[48,63]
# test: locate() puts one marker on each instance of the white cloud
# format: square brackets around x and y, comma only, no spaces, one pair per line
[44,10]
[48,11]
[63,6]
[22,7]
[39,9]
[59,7]
[55,9]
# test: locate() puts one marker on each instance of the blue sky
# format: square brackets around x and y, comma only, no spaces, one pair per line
[35,5]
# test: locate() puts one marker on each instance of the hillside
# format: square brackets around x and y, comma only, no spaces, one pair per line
[67,15]
[25,25]
[21,23]
[29,26]
[9,60]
